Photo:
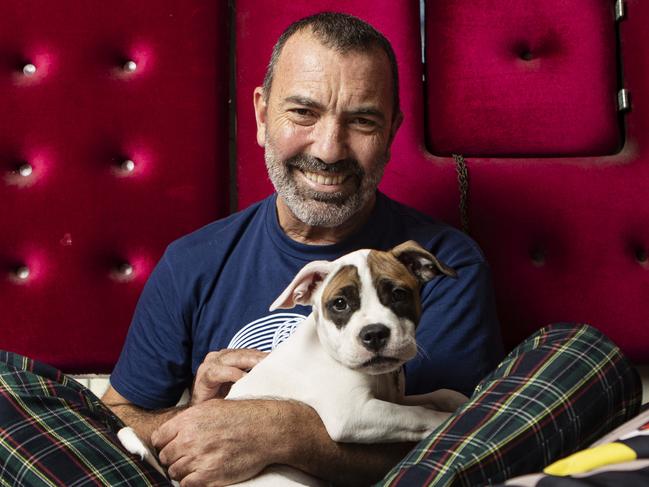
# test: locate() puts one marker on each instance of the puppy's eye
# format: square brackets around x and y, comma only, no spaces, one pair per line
[340,304]
[399,294]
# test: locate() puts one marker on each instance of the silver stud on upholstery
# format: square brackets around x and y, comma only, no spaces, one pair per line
[22,272]
[125,270]
[128,165]
[29,69]
[130,66]
[25,170]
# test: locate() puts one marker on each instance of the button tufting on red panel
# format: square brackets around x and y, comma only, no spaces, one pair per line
[21,174]
[526,56]
[130,66]
[29,69]
[641,256]
[123,272]
[22,273]
[25,170]
[538,257]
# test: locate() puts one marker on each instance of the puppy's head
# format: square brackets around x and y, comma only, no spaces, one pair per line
[366,304]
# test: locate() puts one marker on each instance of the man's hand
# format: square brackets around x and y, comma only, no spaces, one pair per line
[219,442]
[220,370]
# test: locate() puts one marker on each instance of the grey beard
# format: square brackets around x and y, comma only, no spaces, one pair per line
[315,208]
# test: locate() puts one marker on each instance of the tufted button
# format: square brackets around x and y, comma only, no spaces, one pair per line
[22,272]
[526,55]
[130,66]
[641,256]
[538,257]
[25,170]
[29,69]
[127,165]
[124,271]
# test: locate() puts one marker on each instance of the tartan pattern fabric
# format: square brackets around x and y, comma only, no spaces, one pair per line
[55,432]
[556,393]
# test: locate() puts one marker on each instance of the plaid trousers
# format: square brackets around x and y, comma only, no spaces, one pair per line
[554,394]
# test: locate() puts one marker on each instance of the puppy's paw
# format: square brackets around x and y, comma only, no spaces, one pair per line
[132,443]
[136,446]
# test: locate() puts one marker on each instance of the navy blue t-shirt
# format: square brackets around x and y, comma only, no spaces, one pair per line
[212,289]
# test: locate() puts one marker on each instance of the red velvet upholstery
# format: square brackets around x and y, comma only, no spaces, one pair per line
[79,217]
[566,233]
[566,236]
[543,85]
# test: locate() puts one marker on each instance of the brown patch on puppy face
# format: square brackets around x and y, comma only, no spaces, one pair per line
[397,288]
[342,296]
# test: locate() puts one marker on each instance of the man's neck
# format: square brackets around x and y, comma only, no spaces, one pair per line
[303,233]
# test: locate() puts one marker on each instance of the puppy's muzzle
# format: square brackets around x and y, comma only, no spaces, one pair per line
[374,337]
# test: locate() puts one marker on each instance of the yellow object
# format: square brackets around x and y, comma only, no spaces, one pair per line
[591,458]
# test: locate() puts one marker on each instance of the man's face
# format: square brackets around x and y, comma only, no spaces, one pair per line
[326,127]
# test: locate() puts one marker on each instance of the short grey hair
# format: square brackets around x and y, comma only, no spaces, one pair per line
[342,33]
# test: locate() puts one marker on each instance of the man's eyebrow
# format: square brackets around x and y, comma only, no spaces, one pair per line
[304,101]
[371,111]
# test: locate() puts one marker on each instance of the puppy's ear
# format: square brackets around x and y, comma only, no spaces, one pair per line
[303,285]
[421,263]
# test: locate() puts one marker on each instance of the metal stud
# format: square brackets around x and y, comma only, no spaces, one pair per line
[125,270]
[22,272]
[130,66]
[29,69]
[25,170]
[127,165]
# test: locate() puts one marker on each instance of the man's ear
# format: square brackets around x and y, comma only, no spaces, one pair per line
[421,263]
[261,112]
[303,285]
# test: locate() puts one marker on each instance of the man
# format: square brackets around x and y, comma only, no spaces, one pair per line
[326,116]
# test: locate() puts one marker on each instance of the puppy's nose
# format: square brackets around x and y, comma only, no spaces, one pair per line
[374,337]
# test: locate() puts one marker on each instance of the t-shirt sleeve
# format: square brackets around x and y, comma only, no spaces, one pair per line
[458,334]
[154,366]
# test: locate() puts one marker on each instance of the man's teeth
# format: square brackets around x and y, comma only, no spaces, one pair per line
[326,180]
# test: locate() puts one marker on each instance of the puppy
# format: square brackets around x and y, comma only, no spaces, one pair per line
[345,360]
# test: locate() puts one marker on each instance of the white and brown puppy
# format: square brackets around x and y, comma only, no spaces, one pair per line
[345,360]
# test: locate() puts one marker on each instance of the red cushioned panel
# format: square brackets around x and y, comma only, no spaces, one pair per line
[521,77]
[78,216]
[566,236]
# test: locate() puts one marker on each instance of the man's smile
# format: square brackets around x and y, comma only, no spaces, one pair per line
[326,179]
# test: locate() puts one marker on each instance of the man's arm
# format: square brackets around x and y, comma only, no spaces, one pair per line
[143,421]
[224,441]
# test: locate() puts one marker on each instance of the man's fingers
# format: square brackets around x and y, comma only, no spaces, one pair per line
[180,468]
[216,376]
[164,434]
[210,382]
[244,358]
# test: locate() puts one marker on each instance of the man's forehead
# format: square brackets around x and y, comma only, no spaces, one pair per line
[304,59]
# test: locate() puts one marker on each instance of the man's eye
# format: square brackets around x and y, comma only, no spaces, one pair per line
[302,112]
[340,304]
[399,294]
[364,122]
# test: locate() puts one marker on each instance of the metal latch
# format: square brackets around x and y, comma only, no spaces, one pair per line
[619,10]
[623,100]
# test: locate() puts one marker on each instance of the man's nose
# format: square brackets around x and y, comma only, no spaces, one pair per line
[329,142]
